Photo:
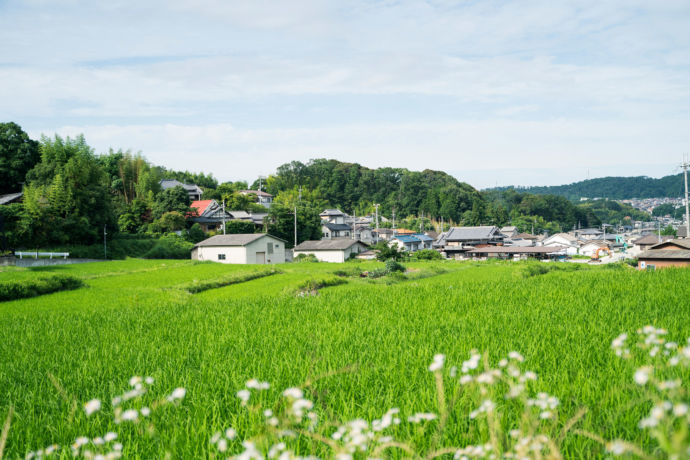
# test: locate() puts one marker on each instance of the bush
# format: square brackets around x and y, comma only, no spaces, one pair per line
[427,254]
[306,258]
[18,289]
[170,246]
[390,252]
[394,266]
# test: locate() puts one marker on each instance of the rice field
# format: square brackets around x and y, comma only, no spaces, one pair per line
[355,350]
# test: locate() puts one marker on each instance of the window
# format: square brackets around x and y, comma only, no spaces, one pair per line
[277,246]
[269,248]
[221,256]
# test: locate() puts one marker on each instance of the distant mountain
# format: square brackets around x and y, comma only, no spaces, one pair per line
[615,188]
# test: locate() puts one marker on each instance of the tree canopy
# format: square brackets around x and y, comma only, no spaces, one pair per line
[18,154]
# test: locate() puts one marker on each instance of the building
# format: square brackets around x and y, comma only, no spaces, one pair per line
[194,191]
[409,243]
[510,231]
[263,198]
[563,239]
[519,253]
[243,248]
[384,234]
[11,198]
[338,250]
[331,231]
[594,247]
[672,253]
[208,214]
[646,242]
[333,216]
[589,234]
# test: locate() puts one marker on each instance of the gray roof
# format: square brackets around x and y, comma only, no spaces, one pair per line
[327,245]
[472,233]
[172,183]
[332,212]
[682,231]
[240,214]
[517,250]
[255,192]
[590,231]
[684,243]
[6,199]
[237,239]
[652,239]
[336,227]
[665,254]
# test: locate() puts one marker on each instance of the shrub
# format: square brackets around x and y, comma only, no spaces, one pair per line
[170,246]
[394,266]
[427,254]
[306,258]
[18,289]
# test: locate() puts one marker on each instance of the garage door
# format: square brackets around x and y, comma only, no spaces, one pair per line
[260,257]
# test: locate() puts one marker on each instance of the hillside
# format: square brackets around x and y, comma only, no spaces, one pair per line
[615,188]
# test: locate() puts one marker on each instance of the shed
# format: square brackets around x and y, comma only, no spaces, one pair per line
[241,248]
[673,253]
[338,250]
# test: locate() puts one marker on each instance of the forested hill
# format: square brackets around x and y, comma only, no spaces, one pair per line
[355,188]
[615,188]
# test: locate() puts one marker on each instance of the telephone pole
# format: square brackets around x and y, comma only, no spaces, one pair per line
[685,166]
[295,225]
[223,216]
[377,222]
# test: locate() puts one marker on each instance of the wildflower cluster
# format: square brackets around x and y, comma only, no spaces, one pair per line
[668,418]
[108,446]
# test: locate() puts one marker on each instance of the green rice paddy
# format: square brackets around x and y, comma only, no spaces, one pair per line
[373,340]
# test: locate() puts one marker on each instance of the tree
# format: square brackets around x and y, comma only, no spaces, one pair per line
[172,199]
[668,230]
[171,222]
[282,224]
[18,154]
[239,226]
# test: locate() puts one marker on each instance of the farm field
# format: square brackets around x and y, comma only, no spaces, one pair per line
[363,346]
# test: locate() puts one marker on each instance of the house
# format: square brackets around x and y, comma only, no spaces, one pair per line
[682,231]
[589,234]
[426,240]
[364,233]
[458,240]
[671,253]
[403,231]
[367,255]
[338,250]
[194,191]
[208,214]
[566,240]
[11,198]
[510,231]
[384,234]
[242,248]
[646,242]
[263,198]
[519,253]
[409,243]
[331,231]
[333,216]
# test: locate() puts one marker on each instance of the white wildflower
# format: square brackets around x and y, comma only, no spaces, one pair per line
[294,393]
[516,356]
[149,380]
[134,381]
[244,396]
[222,445]
[422,416]
[616,447]
[256,385]
[437,364]
[641,376]
[110,436]
[129,415]
[92,406]
[145,411]
[177,394]
[230,433]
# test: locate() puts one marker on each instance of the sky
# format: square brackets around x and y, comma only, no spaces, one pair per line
[492,92]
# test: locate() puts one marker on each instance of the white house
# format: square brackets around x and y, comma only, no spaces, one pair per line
[338,250]
[571,243]
[243,248]
[591,247]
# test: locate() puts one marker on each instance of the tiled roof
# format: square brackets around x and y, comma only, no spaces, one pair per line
[665,254]
[407,238]
[471,233]
[336,227]
[517,250]
[200,206]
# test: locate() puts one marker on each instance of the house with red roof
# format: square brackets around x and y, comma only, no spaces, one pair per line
[208,214]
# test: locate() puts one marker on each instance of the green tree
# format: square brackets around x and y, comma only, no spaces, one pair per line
[668,230]
[171,222]
[172,199]
[281,218]
[18,154]
[239,226]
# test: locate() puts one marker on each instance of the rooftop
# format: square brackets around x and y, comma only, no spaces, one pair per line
[327,245]
[471,233]
[238,239]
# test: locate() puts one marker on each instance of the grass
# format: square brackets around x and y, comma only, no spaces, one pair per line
[132,318]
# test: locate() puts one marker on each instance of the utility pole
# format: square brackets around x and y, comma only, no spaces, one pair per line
[377,222]
[394,221]
[105,244]
[685,166]
[295,225]
[223,216]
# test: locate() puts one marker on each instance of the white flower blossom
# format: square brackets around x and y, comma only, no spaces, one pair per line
[92,406]
[437,364]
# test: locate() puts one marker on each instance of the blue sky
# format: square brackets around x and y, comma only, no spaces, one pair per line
[493,92]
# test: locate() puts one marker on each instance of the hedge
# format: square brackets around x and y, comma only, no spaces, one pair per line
[18,289]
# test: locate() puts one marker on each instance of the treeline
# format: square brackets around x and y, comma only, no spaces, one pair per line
[355,189]
[613,188]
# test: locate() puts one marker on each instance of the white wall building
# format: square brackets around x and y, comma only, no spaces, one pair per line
[338,250]
[244,248]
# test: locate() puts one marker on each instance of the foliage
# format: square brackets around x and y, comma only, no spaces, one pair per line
[202,180]
[669,230]
[170,222]
[609,211]
[306,258]
[387,252]
[205,285]
[37,285]
[393,265]
[68,197]
[195,234]
[18,155]
[170,246]
[354,188]
[172,199]
[282,222]
[669,209]
[613,188]
[427,254]
[239,226]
